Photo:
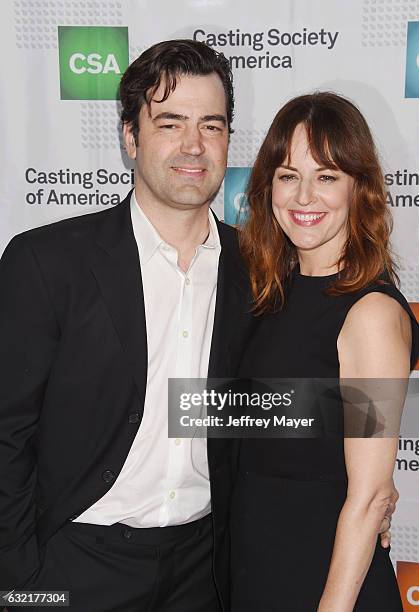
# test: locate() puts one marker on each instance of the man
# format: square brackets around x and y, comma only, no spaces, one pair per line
[96,313]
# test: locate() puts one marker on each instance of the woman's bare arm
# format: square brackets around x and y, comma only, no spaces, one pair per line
[374,343]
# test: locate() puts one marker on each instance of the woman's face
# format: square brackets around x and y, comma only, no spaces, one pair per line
[311,203]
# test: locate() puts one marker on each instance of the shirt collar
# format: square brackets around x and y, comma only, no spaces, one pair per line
[213,240]
[148,239]
[146,235]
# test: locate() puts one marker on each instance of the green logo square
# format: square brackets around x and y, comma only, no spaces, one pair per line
[92,61]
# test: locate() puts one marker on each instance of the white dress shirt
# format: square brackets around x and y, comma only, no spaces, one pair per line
[165,481]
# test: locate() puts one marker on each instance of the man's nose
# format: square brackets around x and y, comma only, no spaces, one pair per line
[192,141]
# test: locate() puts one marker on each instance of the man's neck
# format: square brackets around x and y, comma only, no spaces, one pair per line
[184,229]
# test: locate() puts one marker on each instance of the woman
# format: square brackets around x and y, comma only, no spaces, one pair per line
[306,512]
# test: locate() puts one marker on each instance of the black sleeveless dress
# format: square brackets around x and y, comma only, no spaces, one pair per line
[289,492]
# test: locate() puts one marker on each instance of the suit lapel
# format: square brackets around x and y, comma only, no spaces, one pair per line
[230,303]
[227,303]
[116,267]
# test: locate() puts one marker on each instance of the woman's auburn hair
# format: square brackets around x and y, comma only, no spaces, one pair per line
[339,138]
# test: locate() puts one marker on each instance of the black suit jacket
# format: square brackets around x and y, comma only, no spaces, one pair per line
[73,356]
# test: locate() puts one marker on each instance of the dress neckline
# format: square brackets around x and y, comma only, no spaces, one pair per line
[314,279]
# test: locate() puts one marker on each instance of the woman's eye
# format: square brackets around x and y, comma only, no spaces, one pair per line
[327,178]
[286,178]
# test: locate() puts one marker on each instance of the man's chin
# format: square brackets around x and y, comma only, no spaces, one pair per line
[187,205]
[191,200]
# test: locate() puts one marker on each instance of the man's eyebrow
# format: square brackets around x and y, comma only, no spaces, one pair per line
[220,118]
[173,116]
[178,117]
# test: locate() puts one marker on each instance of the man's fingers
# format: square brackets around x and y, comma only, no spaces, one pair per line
[390,508]
[385,539]
[385,525]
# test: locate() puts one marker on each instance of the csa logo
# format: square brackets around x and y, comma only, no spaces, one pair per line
[408,579]
[92,61]
[412,60]
[235,200]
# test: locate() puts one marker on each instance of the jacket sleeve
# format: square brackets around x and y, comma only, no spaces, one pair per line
[29,335]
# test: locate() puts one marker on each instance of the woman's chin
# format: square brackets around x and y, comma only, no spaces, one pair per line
[305,243]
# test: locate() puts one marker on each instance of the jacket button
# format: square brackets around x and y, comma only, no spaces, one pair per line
[108,476]
[127,533]
[134,417]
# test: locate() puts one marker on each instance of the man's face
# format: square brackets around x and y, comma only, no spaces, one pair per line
[181,154]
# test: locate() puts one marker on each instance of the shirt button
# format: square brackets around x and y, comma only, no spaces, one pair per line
[187,281]
[172,495]
[108,476]
[166,247]
[178,441]
[134,417]
[185,334]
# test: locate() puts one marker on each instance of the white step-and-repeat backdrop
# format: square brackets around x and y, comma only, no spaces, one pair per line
[61,155]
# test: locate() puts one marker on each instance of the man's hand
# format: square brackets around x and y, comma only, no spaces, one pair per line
[385,532]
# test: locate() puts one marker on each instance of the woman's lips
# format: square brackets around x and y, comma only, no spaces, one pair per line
[306,219]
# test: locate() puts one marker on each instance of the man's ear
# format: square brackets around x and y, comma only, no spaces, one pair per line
[129,140]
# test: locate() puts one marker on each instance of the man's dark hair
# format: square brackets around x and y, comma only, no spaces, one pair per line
[169,60]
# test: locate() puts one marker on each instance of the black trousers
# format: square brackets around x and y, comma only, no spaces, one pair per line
[121,569]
